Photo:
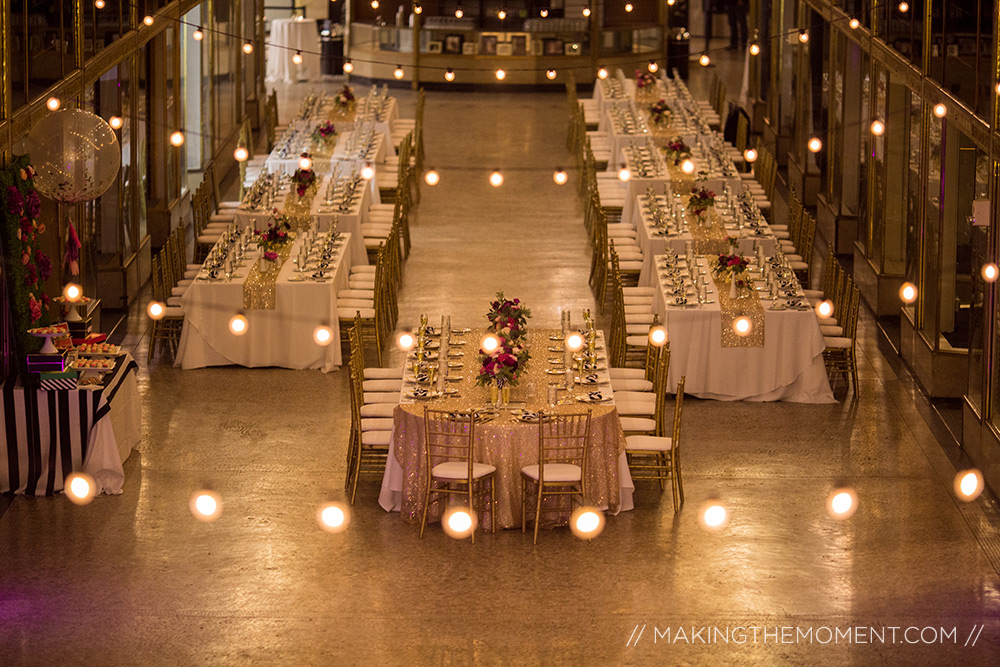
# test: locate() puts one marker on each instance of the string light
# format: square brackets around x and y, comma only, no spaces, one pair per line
[348,67]
[368,171]
[53,103]
[496,178]
[544,13]
[998,89]
[908,293]
[374,4]
[587,522]
[80,488]
[305,162]
[248,47]
[815,145]
[754,49]
[432,178]
[99,4]
[602,72]
[489,344]
[824,309]
[449,75]
[115,122]
[500,74]
[238,324]
[878,128]
[704,60]
[940,110]
[323,335]
[750,155]
[657,336]
[405,341]
[842,503]
[297,58]
[72,292]
[418,8]
[687,166]
[653,67]
[990,272]
[574,341]
[550,74]
[241,154]
[742,326]
[501,15]
[459,522]
[147,19]
[670,3]
[969,484]
[713,515]
[624,174]
[459,13]
[177,138]
[854,23]
[903,7]
[333,517]
[803,36]
[586,11]
[628,7]
[206,505]
[398,72]
[156,310]
[560,177]
[198,34]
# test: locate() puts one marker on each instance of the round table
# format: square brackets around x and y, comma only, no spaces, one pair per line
[287,37]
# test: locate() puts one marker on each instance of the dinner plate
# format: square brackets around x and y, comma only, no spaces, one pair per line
[423,395]
[591,399]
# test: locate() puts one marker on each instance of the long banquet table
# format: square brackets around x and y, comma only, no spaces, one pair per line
[506,442]
[279,337]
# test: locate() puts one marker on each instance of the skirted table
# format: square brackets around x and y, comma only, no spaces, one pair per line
[50,434]
[289,36]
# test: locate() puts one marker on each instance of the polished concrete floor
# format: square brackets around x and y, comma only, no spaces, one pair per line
[135,580]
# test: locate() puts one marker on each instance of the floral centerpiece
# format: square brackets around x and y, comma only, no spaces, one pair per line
[644,79]
[344,101]
[274,238]
[701,200]
[324,134]
[730,268]
[660,113]
[502,367]
[677,150]
[303,178]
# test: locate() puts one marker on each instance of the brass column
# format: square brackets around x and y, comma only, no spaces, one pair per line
[5,90]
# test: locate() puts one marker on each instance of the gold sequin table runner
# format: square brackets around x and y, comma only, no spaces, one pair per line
[748,305]
[505,442]
[259,288]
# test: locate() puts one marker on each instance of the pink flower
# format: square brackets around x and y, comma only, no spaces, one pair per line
[271,256]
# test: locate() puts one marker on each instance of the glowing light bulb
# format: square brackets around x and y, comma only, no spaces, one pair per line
[238,325]
[489,344]
[815,145]
[496,178]
[398,72]
[990,272]
[80,488]
[969,484]
[742,326]
[586,11]
[544,13]
[687,166]
[115,122]
[198,34]
[248,47]
[754,49]
[333,517]
[206,505]
[374,4]
[449,75]
[803,36]
[670,3]
[842,503]
[560,177]
[714,515]
[418,8]
[406,341]
[459,13]
[368,171]
[297,58]
[854,23]
[156,310]
[824,309]
[432,178]
[750,155]
[501,15]
[147,19]
[587,522]
[500,75]
[998,89]
[458,522]
[99,4]
[624,174]
[177,138]
[550,74]
[903,7]
[908,293]
[602,72]
[241,154]
[652,66]
[348,67]
[629,7]
[574,341]
[878,128]
[72,292]
[704,60]
[658,336]
[53,103]
[323,335]
[305,162]
[940,110]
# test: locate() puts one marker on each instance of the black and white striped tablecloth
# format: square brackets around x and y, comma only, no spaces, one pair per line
[47,433]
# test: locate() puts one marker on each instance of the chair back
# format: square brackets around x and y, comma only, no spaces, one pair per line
[449,437]
[675,437]
[563,439]
[850,319]
[660,390]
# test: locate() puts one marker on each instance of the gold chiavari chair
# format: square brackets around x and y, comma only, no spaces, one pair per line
[840,354]
[828,286]
[370,436]
[449,449]
[563,448]
[167,330]
[639,410]
[373,313]
[636,379]
[658,457]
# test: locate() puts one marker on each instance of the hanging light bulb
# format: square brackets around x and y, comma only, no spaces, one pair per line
[177,138]
[586,11]
[824,309]
[750,155]
[670,3]
[969,484]
[305,162]
[500,74]
[418,8]
[241,154]
[198,34]
[815,145]
[398,72]
[754,49]
[99,4]
[803,36]
[368,171]
[496,178]
[53,103]
[348,67]
[72,292]
[624,174]
[459,13]
[657,336]
[713,515]
[248,47]
[560,177]
[405,341]
[629,7]
[574,341]
[998,89]
[908,293]
[602,72]
[652,67]
[459,522]
[687,166]
[990,272]
[449,75]
[855,24]
[501,15]
[878,128]
[147,19]
[842,503]
[115,122]
[704,60]
[544,13]
[79,487]
[297,58]
[323,335]
[489,344]
[432,178]
[550,74]
[940,110]
[333,517]
[587,522]
[742,326]
[156,310]
[374,4]
[903,7]
[238,324]
[206,505]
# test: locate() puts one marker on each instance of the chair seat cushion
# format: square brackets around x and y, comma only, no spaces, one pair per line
[381,397]
[173,301]
[627,384]
[363,268]
[632,407]
[837,342]
[813,293]
[361,304]
[637,341]
[390,384]
[376,438]
[460,470]
[831,330]
[376,424]
[798,266]
[375,373]
[637,424]
[348,313]
[555,472]
[647,443]
[639,291]
[638,318]
[627,373]
[638,329]
[366,294]
[379,409]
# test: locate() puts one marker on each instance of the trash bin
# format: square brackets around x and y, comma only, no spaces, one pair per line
[332,56]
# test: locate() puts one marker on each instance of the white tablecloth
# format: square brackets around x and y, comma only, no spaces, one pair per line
[287,37]
[789,367]
[280,337]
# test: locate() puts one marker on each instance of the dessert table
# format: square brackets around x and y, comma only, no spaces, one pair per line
[49,434]
[282,336]
[505,441]
[287,37]
[787,365]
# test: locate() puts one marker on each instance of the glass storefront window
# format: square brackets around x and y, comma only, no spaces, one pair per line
[929,276]
[42,48]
